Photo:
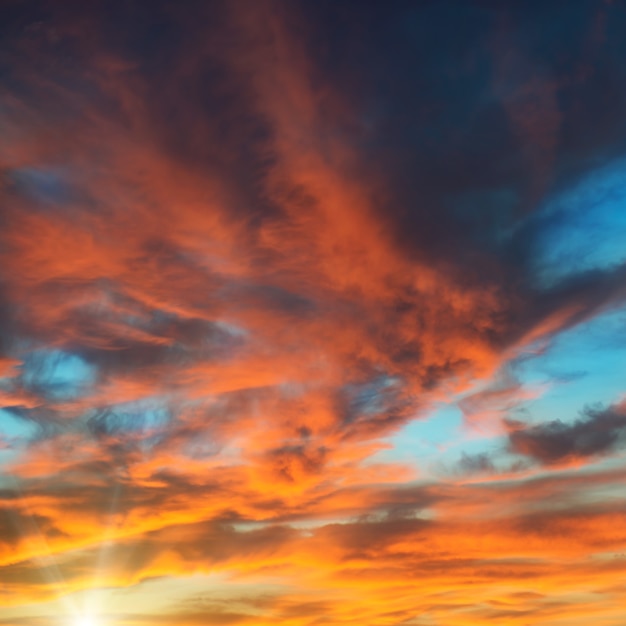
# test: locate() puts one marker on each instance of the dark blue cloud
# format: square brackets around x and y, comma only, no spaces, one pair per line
[598,432]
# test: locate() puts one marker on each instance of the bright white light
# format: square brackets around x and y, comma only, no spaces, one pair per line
[85,620]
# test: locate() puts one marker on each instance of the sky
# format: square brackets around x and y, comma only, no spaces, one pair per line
[312,312]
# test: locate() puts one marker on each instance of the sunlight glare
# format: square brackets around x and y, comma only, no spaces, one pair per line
[85,620]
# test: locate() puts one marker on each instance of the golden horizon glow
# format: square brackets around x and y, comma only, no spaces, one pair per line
[86,620]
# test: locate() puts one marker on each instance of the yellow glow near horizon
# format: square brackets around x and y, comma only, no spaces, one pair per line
[85,620]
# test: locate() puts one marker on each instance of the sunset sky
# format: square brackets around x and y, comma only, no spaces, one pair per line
[312,312]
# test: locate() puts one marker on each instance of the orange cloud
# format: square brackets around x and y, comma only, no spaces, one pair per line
[237,329]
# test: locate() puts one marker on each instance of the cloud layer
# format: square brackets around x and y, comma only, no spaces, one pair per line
[247,250]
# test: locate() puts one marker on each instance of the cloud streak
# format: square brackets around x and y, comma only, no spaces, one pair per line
[598,432]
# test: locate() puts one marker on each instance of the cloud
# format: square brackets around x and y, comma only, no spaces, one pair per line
[598,432]
[476,464]
[243,246]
